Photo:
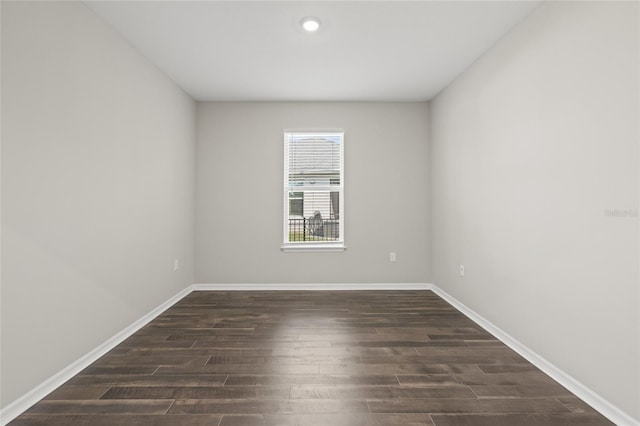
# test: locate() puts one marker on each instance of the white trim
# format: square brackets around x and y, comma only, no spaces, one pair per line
[596,401]
[20,405]
[600,404]
[319,247]
[338,245]
[310,286]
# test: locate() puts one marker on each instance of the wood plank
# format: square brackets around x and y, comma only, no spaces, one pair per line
[157,380]
[117,420]
[263,406]
[148,406]
[378,392]
[325,379]
[480,406]
[198,392]
[520,420]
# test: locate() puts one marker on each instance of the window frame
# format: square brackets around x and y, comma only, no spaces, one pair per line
[312,246]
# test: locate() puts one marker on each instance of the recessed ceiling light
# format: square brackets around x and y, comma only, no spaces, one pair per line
[310,24]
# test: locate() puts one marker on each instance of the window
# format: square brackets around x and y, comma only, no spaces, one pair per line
[313,191]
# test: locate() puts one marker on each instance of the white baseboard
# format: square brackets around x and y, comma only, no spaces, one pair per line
[20,405]
[607,409]
[313,287]
[600,404]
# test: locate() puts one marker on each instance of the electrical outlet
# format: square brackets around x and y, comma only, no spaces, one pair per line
[392,257]
[176,265]
[461,270]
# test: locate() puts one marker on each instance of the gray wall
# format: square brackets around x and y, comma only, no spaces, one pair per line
[534,149]
[97,188]
[239,193]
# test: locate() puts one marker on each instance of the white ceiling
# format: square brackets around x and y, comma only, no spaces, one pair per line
[364,51]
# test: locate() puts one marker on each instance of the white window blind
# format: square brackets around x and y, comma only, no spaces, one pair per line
[313,190]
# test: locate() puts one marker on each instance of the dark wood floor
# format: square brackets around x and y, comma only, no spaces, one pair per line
[311,358]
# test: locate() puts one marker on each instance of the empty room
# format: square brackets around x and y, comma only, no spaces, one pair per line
[320,213]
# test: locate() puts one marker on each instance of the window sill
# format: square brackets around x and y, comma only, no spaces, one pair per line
[318,248]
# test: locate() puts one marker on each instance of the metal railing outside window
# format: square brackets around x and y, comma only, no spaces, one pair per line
[308,229]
